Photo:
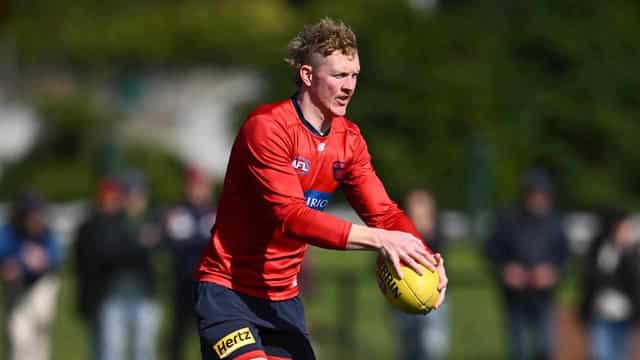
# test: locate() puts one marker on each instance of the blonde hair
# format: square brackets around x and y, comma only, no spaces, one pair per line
[322,38]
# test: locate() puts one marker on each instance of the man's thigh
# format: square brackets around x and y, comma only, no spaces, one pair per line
[280,345]
[239,327]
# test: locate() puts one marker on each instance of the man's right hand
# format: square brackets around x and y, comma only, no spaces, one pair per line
[514,276]
[399,247]
[402,248]
[543,276]
[35,257]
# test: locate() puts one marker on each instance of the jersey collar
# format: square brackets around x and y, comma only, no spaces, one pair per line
[307,124]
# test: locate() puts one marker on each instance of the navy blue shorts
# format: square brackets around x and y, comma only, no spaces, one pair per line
[241,327]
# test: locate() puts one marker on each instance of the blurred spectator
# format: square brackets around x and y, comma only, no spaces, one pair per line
[29,258]
[611,289]
[106,225]
[115,273]
[187,230]
[528,249]
[306,278]
[424,337]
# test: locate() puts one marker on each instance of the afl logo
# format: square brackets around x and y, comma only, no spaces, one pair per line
[338,171]
[301,165]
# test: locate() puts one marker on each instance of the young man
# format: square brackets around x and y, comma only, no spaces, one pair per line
[288,159]
[528,249]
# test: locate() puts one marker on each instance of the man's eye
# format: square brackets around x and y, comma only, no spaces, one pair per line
[339,76]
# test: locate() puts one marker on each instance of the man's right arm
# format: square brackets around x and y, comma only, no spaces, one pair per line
[398,246]
[495,246]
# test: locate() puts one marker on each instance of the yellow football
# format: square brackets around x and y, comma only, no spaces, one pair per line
[413,293]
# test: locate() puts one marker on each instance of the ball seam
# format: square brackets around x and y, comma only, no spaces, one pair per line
[414,294]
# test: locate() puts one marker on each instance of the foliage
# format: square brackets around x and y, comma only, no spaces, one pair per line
[60,163]
[78,145]
[522,82]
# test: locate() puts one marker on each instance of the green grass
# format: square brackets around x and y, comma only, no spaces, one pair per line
[347,315]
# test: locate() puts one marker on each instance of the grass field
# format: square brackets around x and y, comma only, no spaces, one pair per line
[348,317]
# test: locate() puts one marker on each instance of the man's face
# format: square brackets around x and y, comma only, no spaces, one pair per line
[333,81]
[623,234]
[199,193]
[35,223]
[110,202]
[539,202]
[136,202]
[421,209]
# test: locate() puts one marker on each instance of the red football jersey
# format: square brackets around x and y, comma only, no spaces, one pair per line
[281,176]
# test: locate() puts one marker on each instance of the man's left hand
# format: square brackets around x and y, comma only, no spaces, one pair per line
[543,276]
[444,281]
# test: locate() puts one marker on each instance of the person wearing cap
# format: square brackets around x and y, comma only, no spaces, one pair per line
[528,249]
[187,229]
[114,250]
[29,259]
[105,225]
[131,312]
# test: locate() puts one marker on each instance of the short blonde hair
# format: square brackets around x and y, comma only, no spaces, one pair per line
[323,38]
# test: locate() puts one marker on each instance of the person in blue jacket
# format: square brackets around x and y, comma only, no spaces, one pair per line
[29,258]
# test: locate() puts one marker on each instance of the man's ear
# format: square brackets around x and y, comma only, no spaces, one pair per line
[306,74]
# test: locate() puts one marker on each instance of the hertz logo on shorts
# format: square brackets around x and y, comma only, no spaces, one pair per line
[233,341]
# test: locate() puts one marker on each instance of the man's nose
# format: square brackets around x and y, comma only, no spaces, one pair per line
[349,84]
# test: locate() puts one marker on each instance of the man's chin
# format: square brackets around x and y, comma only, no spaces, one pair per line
[339,111]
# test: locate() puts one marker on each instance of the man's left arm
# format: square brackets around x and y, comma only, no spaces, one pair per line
[561,249]
[367,195]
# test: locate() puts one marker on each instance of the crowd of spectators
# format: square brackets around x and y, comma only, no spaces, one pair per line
[115,247]
[114,253]
[528,253]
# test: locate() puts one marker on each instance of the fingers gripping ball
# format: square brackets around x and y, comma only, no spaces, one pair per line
[413,293]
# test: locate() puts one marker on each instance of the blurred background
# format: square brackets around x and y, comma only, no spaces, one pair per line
[502,110]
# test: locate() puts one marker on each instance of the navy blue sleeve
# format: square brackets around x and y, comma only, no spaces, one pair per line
[561,247]
[498,244]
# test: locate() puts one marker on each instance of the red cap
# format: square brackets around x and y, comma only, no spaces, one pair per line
[107,188]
